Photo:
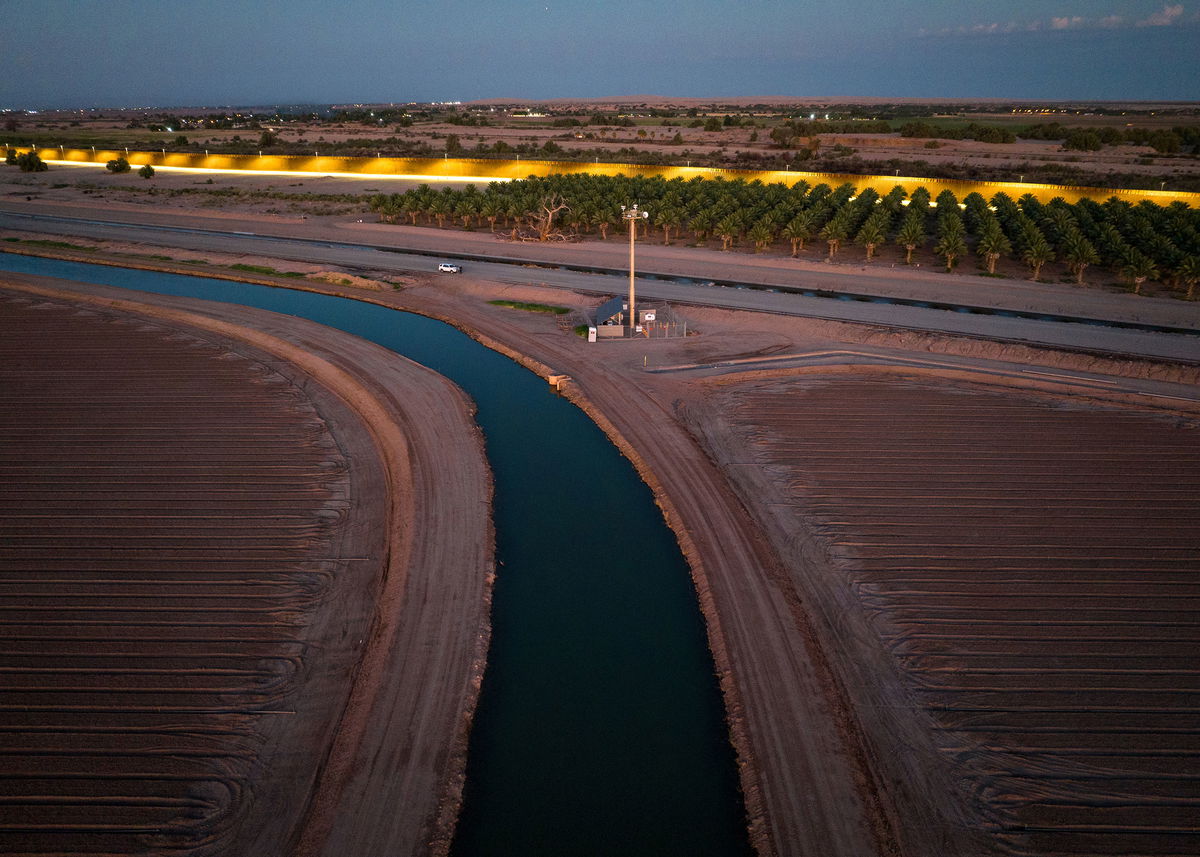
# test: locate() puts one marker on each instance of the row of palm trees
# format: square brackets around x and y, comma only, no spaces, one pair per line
[1140,243]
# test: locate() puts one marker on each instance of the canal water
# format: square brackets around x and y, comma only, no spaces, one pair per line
[600,729]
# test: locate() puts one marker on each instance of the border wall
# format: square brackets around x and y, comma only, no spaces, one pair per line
[483,170]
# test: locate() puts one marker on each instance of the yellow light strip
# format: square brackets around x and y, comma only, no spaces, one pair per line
[361,176]
[443,171]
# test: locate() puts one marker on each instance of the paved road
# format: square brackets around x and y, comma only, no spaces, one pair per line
[319,243]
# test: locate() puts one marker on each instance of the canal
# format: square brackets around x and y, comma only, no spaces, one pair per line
[600,729]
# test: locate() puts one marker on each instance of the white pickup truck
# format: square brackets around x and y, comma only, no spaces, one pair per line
[450,268]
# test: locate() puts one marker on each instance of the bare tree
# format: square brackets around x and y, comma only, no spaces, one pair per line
[550,206]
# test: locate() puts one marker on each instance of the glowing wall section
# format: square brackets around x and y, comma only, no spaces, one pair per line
[423,169]
[487,170]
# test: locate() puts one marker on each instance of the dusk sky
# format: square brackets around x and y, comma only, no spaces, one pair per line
[80,53]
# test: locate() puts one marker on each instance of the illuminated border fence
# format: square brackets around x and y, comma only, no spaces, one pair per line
[487,170]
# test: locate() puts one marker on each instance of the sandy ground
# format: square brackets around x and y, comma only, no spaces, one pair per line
[364,608]
[803,650]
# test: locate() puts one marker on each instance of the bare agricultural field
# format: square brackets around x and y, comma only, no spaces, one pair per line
[227,624]
[173,519]
[1009,585]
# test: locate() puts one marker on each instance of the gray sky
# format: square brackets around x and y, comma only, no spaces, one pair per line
[79,53]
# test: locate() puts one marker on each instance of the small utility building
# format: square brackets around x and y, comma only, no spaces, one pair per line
[612,321]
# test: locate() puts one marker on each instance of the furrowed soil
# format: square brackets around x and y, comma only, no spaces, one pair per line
[212,534]
[1009,583]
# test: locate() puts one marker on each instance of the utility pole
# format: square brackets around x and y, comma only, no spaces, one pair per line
[633,215]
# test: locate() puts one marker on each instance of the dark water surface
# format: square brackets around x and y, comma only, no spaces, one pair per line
[600,729]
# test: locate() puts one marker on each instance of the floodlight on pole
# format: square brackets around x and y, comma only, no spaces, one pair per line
[633,215]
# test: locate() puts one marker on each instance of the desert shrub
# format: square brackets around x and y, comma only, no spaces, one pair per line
[29,162]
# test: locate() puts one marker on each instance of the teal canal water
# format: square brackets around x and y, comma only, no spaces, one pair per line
[600,729]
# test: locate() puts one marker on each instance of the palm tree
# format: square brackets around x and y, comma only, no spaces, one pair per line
[441,207]
[835,232]
[1139,269]
[427,196]
[1037,252]
[491,209]
[466,209]
[946,203]
[1001,200]
[798,230]
[513,211]
[1188,273]
[1059,221]
[702,224]
[669,217]
[871,235]
[912,233]
[605,219]
[1078,253]
[951,245]
[585,217]
[762,234]
[993,244]
[951,224]
[976,211]
[893,200]
[727,230]
[412,205]
[387,205]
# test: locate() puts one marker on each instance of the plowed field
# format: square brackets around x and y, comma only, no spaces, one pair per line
[172,515]
[1028,576]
